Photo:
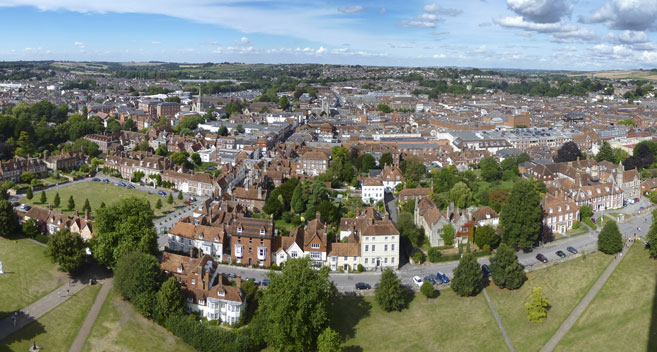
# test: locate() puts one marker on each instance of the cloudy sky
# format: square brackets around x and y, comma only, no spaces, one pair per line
[534,34]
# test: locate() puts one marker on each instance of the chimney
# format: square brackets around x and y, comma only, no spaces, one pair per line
[239,282]
[259,192]
[318,215]
[86,214]
[191,252]
[206,282]
[50,206]
[221,281]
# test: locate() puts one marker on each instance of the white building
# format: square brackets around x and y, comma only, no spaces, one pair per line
[373,190]
[379,245]
[208,240]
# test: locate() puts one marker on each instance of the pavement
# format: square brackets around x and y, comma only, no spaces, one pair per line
[88,323]
[583,304]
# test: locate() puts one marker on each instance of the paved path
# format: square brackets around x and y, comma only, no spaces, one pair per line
[583,304]
[88,323]
[37,309]
[499,322]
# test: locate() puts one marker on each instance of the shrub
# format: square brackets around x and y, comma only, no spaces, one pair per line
[418,257]
[359,268]
[434,255]
[390,293]
[537,306]
[576,225]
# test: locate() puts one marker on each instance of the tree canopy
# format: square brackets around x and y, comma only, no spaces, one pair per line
[467,276]
[390,293]
[505,268]
[137,278]
[67,250]
[610,240]
[521,215]
[569,151]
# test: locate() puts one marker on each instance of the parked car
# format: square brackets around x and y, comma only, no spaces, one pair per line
[95,179]
[162,193]
[120,184]
[541,258]
[131,187]
[16,204]
[572,250]
[485,269]
[363,286]
[442,277]
[265,282]
[561,254]
[431,279]
[232,275]
[417,281]
[193,199]
[256,282]
[106,181]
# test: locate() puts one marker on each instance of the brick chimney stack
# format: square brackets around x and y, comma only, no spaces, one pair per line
[206,281]
[239,282]
[86,214]
[191,253]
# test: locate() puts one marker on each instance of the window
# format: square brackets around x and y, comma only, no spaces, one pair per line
[373,248]
[365,260]
[314,246]
[366,248]
[293,254]
[385,260]
[392,260]
[250,250]
[262,232]
[250,240]
[385,248]
[193,281]
[393,247]
[262,242]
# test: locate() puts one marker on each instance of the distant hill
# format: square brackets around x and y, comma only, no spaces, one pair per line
[621,74]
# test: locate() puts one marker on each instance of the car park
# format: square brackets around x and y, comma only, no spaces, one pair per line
[561,254]
[431,279]
[541,258]
[417,281]
[363,286]
[572,250]
[485,269]
[442,277]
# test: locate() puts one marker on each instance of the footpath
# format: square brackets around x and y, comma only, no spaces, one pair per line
[88,323]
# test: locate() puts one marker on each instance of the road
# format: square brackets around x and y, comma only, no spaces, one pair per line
[585,242]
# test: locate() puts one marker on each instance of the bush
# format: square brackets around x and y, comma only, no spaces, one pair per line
[390,294]
[359,268]
[428,290]
[434,255]
[610,240]
[467,276]
[418,257]
[576,225]
[208,339]
[537,306]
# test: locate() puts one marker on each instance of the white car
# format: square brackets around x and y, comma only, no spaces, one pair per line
[417,280]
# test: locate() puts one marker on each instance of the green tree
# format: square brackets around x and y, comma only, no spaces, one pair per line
[180,196]
[652,235]
[56,201]
[102,205]
[605,153]
[87,206]
[284,102]
[8,219]
[490,169]
[413,169]
[44,198]
[67,250]
[390,293]
[122,227]
[386,159]
[383,108]
[196,158]
[158,205]
[505,268]
[296,305]
[448,234]
[467,276]
[30,228]
[137,278]
[610,240]
[299,199]
[329,341]
[29,195]
[521,215]
[585,212]
[486,236]
[366,162]
[434,255]
[537,306]
[461,195]
[170,198]
[162,150]
[569,151]
[170,299]
[71,203]
[427,289]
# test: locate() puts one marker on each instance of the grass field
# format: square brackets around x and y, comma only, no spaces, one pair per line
[622,315]
[446,323]
[564,285]
[56,330]
[621,74]
[29,274]
[98,192]
[120,328]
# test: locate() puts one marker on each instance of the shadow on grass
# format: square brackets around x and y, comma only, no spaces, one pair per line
[652,334]
[347,313]
[31,328]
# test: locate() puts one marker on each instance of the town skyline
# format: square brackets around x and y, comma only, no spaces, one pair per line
[515,34]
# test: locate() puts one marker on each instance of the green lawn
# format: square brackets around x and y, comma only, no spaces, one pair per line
[564,285]
[120,328]
[98,192]
[620,316]
[29,274]
[446,323]
[56,330]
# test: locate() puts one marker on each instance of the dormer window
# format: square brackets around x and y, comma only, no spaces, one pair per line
[559,208]
[200,236]
[314,246]
[179,270]
[239,228]
[550,210]
[262,232]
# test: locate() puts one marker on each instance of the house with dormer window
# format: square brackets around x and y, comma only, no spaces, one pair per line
[250,241]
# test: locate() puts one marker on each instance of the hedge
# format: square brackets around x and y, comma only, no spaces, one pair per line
[205,338]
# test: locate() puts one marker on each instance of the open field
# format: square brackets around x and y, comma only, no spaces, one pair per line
[445,323]
[29,274]
[623,314]
[120,328]
[56,330]
[98,192]
[620,74]
[564,285]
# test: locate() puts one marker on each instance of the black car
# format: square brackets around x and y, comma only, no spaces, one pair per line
[232,275]
[561,254]
[541,258]
[363,286]
[572,250]
[485,269]
[647,245]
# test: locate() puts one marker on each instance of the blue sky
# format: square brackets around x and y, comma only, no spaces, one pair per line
[534,34]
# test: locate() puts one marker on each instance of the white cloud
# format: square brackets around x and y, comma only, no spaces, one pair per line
[430,16]
[80,45]
[541,11]
[439,56]
[351,9]
[243,41]
[321,50]
[635,15]
[156,43]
